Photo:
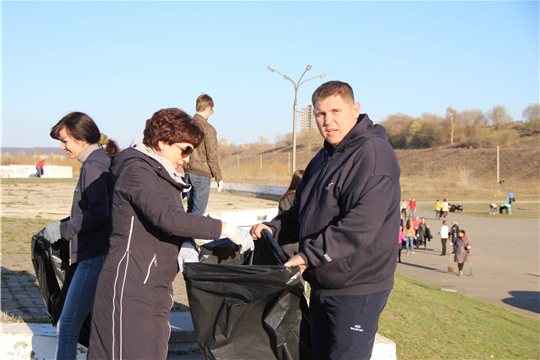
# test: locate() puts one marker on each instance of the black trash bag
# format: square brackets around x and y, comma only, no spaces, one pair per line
[223,251]
[54,274]
[250,312]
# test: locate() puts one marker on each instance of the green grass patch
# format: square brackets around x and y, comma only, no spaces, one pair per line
[428,323]
[529,210]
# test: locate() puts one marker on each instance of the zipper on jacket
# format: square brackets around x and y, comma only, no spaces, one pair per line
[153,261]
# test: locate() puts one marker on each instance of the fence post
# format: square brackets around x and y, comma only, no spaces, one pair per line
[289,156]
[238,162]
[261,162]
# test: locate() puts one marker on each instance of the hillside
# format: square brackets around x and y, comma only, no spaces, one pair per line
[437,171]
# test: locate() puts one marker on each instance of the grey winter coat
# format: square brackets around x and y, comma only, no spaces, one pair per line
[134,293]
[461,250]
[89,225]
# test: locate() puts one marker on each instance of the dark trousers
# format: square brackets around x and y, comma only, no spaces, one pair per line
[460,266]
[443,242]
[344,327]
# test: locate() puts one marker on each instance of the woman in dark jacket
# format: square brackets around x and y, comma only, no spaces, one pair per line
[152,236]
[462,249]
[285,202]
[423,233]
[89,226]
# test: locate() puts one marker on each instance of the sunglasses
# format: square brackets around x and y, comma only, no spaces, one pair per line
[186,151]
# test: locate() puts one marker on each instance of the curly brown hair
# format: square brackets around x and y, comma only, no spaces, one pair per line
[171,126]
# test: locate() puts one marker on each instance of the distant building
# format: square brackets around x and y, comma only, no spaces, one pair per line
[307,120]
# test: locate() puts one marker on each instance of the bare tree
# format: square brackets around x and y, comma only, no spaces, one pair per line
[499,116]
[451,116]
[532,114]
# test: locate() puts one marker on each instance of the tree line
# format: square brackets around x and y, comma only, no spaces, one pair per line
[466,128]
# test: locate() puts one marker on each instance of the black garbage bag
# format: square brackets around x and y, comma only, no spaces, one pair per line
[54,274]
[249,311]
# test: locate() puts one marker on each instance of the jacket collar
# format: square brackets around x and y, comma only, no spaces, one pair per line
[199,118]
[175,176]
[363,130]
[86,152]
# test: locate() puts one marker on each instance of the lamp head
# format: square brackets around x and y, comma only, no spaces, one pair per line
[322,76]
[271,69]
[308,67]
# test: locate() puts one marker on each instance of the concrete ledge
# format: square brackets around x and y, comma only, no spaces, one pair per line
[31,341]
[38,341]
[256,191]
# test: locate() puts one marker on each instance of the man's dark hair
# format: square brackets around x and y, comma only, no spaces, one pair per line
[204,101]
[333,88]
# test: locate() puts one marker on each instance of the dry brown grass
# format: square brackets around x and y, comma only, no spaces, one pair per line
[437,172]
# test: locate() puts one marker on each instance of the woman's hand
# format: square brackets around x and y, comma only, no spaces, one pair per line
[256,230]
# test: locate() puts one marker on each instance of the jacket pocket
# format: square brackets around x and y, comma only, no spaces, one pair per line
[152,262]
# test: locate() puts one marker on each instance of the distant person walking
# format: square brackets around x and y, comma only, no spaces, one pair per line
[412,207]
[39,168]
[90,224]
[444,237]
[454,232]
[437,208]
[423,233]
[400,241]
[510,198]
[444,208]
[408,232]
[462,249]
[204,163]
[403,208]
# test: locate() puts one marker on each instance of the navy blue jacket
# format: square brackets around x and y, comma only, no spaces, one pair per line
[89,225]
[346,215]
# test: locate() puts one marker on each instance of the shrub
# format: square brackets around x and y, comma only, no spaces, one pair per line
[503,137]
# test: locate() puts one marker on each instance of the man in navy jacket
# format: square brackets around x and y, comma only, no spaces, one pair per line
[346,220]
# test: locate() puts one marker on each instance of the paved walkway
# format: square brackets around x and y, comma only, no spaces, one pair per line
[505,259]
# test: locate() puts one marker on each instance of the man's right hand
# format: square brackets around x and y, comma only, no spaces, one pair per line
[256,230]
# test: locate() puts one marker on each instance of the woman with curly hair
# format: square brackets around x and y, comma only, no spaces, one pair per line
[152,238]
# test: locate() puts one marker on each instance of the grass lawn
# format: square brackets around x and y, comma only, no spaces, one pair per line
[428,323]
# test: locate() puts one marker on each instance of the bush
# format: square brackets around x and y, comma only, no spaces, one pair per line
[503,137]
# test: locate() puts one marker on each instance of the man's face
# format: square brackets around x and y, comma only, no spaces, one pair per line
[335,117]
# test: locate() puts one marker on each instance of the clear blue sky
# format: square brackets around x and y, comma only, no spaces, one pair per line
[121,61]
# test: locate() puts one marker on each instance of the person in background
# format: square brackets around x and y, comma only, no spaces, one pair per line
[423,232]
[204,163]
[403,208]
[493,209]
[510,198]
[285,203]
[437,208]
[454,232]
[444,237]
[401,240]
[346,219]
[506,207]
[408,232]
[151,240]
[89,226]
[39,168]
[412,207]
[416,224]
[462,249]
[287,199]
[444,208]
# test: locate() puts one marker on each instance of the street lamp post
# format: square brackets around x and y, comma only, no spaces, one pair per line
[295,105]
